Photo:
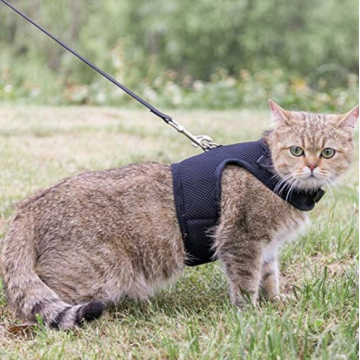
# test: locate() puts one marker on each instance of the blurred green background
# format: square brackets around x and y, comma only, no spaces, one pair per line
[184,53]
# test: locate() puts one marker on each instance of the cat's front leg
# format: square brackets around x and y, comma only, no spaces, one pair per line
[270,279]
[242,264]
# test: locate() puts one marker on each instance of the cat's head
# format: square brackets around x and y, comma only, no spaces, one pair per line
[311,150]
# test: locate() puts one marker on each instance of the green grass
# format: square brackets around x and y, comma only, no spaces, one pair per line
[193,319]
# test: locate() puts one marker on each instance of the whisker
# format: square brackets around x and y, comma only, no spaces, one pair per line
[331,184]
[328,183]
[291,189]
[282,184]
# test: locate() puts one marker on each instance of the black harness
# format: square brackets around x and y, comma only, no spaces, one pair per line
[197,192]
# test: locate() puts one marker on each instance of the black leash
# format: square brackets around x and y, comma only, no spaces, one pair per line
[205,142]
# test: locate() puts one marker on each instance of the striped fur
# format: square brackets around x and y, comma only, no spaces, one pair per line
[97,237]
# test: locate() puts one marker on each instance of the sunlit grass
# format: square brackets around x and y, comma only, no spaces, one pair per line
[192,319]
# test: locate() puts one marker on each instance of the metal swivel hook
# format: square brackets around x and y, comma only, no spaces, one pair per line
[204,141]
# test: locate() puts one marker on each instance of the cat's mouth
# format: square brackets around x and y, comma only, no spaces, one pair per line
[311,182]
[306,180]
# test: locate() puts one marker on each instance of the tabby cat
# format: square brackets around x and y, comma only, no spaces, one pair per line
[94,238]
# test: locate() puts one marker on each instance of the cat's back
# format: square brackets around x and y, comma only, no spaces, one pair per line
[134,203]
[99,203]
[102,186]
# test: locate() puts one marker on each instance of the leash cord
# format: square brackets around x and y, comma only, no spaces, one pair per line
[205,142]
[165,117]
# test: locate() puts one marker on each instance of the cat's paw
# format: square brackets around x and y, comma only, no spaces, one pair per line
[278,300]
[243,302]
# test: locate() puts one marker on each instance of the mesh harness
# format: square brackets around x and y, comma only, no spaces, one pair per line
[197,192]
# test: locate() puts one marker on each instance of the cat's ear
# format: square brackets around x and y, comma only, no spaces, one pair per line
[279,115]
[349,119]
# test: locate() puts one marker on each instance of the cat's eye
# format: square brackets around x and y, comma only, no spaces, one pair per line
[328,153]
[296,151]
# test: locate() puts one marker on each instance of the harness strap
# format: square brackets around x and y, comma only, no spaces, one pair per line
[197,192]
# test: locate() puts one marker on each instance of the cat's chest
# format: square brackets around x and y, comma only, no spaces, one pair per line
[287,231]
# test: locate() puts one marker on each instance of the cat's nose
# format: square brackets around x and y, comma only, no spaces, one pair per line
[312,166]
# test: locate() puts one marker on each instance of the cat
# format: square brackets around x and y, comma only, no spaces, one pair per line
[94,238]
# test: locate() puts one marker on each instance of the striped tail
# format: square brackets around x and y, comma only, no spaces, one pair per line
[27,293]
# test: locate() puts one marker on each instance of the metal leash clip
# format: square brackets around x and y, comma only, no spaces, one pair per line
[204,141]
